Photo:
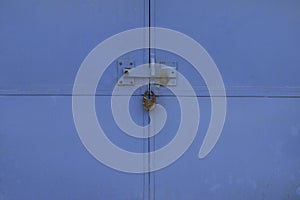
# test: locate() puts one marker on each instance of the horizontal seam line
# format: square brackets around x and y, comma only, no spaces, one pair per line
[105,95]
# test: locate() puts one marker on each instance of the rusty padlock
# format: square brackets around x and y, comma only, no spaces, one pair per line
[149,103]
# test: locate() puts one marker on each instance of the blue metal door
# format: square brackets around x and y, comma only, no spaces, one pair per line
[182,149]
[255,45]
[42,45]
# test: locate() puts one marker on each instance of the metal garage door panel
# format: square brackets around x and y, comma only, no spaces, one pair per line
[44,42]
[42,156]
[256,157]
[254,44]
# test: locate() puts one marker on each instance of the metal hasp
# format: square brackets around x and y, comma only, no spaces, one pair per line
[153,73]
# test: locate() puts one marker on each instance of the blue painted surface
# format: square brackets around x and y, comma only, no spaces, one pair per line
[257,156]
[42,156]
[44,42]
[255,44]
[42,46]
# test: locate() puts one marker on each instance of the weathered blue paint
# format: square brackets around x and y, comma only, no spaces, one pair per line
[255,45]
